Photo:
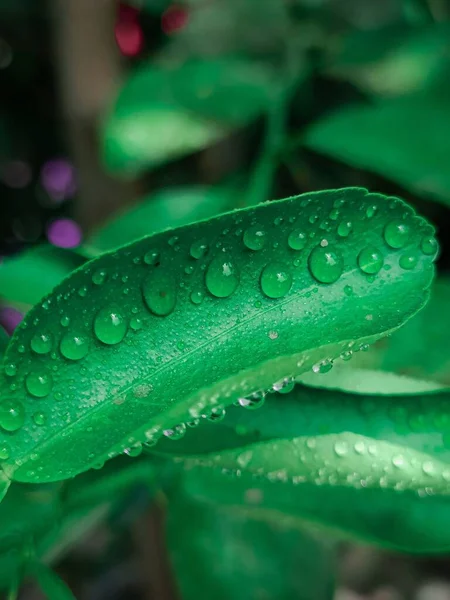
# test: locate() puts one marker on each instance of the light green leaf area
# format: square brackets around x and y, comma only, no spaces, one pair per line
[185,322]
[389,138]
[164,112]
[170,207]
[374,467]
[242,558]
[27,277]
[420,348]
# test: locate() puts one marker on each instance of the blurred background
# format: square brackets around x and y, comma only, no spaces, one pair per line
[119,119]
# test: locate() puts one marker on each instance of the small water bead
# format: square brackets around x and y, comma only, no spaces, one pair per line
[198,249]
[189,269]
[370,260]
[344,229]
[39,418]
[12,415]
[313,218]
[396,234]
[74,346]
[160,292]
[151,257]
[196,297]
[222,276]
[398,461]
[10,369]
[65,321]
[408,261]
[255,237]
[334,214]
[216,415]
[136,324]
[297,240]
[99,277]
[326,265]
[42,343]
[341,448]
[288,386]
[39,383]
[4,451]
[83,291]
[323,366]
[176,433]
[252,402]
[276,281]
[429,245]
[348,290]
[110,326]
[371,211]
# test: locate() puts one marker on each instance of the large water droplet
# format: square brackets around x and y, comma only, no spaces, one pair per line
[198,249]
[429,245]
[370,260]
[276,281]
[74,346]
[12,415]
[110,326]
[326,265]
[344,228]
[41,343]
[396,234]
[39,383]
[297,240]
[160,292]
[255,237]
[222,276]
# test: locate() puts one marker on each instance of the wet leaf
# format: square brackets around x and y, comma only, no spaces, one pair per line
[183,323]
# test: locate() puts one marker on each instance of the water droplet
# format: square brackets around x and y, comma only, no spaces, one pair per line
[348,290]
[429,245]
[216,415]
[334,214]
[429,468]
[10,369]
[189,269]
[99,277]
[12,415]
[39,418]
[371,210]
[408,261]
[344,228]
[341,448]
[74,346]
[176,433]
[134,451]
[151,257]
[347,355]
[370,260]
[276,281]
[39,383]
[323,366]
[222,277]
[160,292]
[110,326]
[83,291]
[196,297]
[65,321]
[4,451]
[173,240]
[297,240]
[253,402]
[255,237]
[396,234]
[136,324]
[41,343]
[326,265]
[198,249]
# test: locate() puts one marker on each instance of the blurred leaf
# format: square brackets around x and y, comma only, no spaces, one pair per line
[164,112]
[53,586]
[4,340]
[187,321]
[29,276]
[420,348]
[166,208]
[234,556]
[405,140]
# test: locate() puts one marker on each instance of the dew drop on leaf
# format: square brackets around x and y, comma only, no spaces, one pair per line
[396,234]
[429,245]
[74,346]
[39,418]
[297,240]
[198,249]
[39,383]
[276,280]
[175,433]
[160,292]
[99,277]
[370,260]
[12,415]
[323,366]
[326,265]
[255,237]
[196,297]
[216,415]
[4,452]
[222,277]
[10,369]
[110,326]
[408,261]
[136,324]
[344,229]
[151,257]
[253,402]
[41,343]
[341,448]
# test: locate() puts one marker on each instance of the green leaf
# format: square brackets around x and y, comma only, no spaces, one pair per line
[170,207]
[165,112]
[420,349]
[29,276]
[378,138]
[4,340]
[238,557]
[184,322]
[373,459]
[53,586]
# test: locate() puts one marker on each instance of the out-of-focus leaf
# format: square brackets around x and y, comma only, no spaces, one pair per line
[164,112]
[404,139]
[420,348]
[53,586]
[234,556]
[4,339]
[29,276]
[187,321]
[170,207]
